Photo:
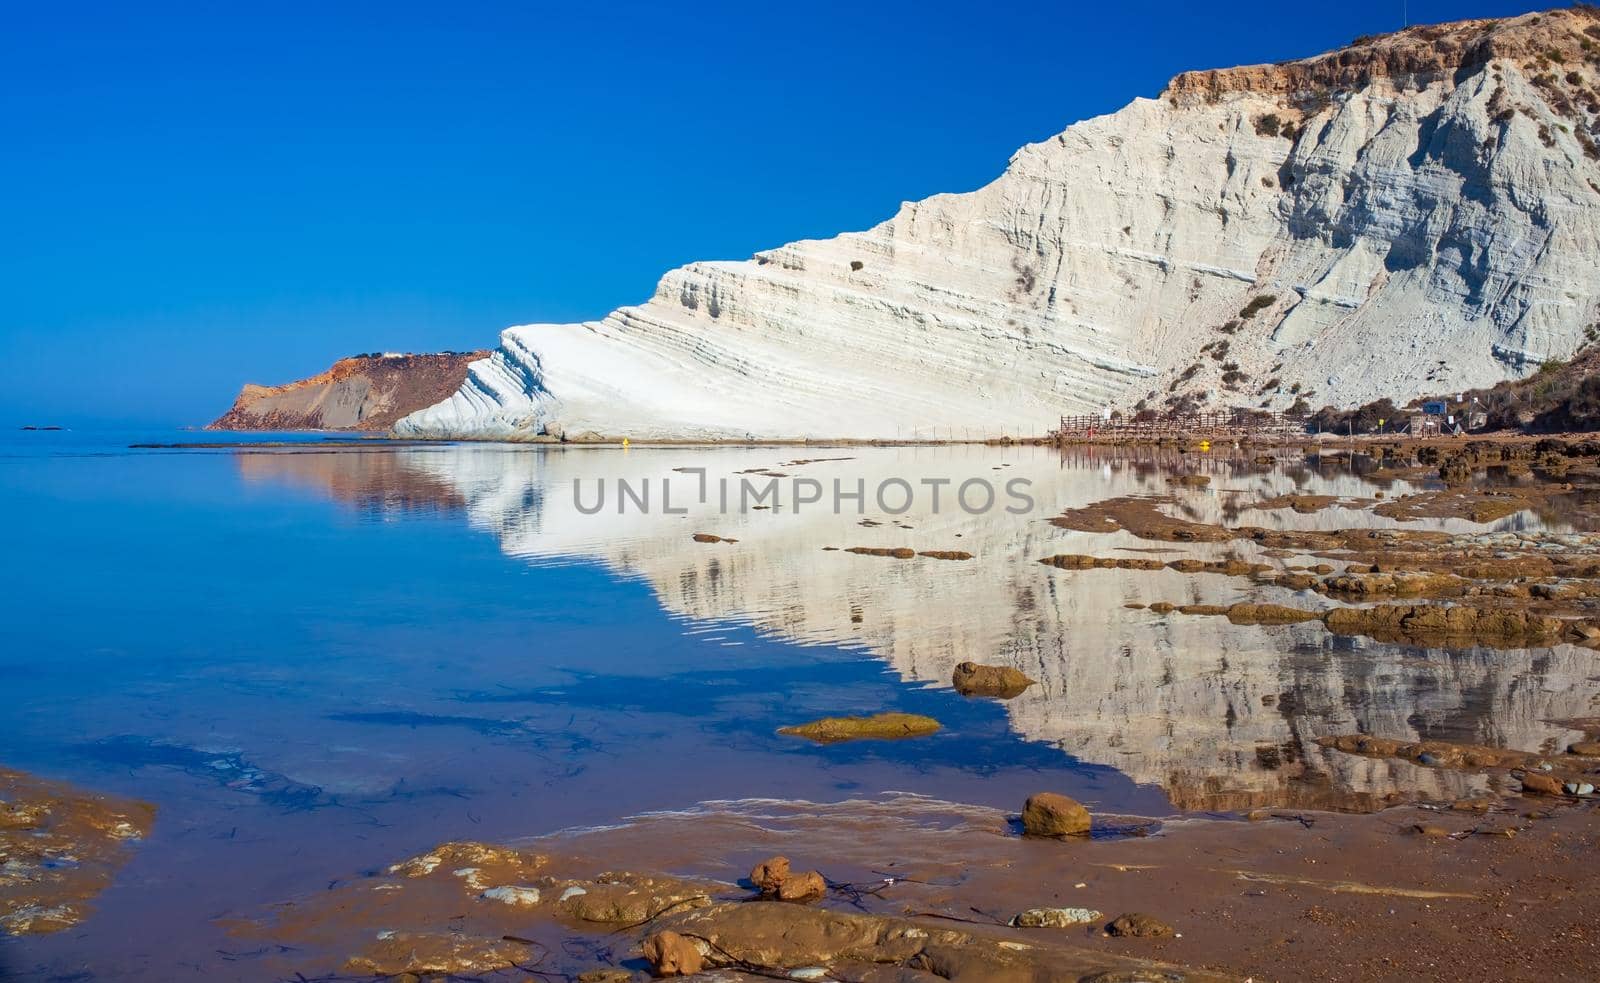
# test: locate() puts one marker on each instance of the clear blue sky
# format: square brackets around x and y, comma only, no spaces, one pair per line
[197,196]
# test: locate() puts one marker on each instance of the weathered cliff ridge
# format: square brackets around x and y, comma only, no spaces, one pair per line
[1413,213]
[363,392]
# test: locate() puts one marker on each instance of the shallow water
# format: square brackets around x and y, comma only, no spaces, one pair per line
[316,661]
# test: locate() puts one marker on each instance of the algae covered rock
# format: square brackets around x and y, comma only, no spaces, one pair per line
[879,726]
[973,679]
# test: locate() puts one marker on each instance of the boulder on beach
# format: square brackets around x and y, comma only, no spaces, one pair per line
[1052,814]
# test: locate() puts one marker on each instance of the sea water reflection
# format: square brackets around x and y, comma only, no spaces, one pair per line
[1217,716]
[314,660]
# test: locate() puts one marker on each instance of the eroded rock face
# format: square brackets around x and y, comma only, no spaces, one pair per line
[1308,214]
[364,392]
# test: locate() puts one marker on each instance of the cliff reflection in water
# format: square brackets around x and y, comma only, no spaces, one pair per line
[1219,716]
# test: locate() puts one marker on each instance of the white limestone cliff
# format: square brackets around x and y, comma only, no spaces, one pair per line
[1414,213]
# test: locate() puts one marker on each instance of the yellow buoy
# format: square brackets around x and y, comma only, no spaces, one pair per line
[1205,445]
[624,441]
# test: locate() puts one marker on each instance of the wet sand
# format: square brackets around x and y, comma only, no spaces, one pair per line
[1485,889]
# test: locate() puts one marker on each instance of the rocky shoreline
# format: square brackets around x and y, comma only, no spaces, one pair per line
[914,889]
[59,847]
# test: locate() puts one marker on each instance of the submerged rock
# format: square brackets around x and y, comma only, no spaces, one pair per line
[628,899]
[1138,925]
[973,679]
[447,953]
[1051,814]
[478,865]
[879,726]
[1269,614]
[897,552]
[772,939]
[59,848]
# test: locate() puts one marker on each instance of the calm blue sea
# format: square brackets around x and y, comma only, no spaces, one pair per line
[317,661]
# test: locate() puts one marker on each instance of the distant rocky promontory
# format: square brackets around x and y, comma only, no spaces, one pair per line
[362,392]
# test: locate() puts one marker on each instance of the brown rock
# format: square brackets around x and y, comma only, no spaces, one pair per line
[364,392]
[605,976]
[1268,614]
[1430,831]
[769,874]
[626,898]
[803,888]
[773,878]
[973,679]
[1138,925]
[670,954]
[1538,783]
[1588,749]
[1050,814]
[898,553]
